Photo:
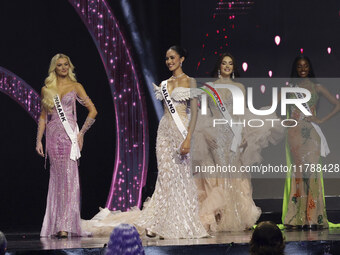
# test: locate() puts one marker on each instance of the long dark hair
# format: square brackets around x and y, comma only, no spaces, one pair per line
[294,73]
[214,73]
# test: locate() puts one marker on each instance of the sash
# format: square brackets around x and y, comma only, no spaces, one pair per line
[237,130]
[324,150]
[75,151]
[172,109]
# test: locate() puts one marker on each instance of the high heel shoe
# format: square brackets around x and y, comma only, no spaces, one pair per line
[62,234]
[150,233]
[293,227]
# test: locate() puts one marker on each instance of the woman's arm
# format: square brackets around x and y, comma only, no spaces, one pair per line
[86,101]
[41,129]
[244,143]
[321,89]
[185,147]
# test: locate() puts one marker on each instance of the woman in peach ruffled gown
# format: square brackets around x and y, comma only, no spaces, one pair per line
[226,202]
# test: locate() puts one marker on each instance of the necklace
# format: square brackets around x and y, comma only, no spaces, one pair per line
[176,77]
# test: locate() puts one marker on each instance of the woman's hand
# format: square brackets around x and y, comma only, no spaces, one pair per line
[80,138]
[313,119]
[39,149]
[185,147]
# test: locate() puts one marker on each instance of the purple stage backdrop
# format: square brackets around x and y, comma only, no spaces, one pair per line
[131,160]
[21,92]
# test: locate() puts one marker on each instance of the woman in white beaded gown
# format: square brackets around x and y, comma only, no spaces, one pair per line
[172,211]
[225,198]
[173,208]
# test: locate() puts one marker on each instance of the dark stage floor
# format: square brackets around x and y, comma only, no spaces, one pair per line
[298,242]
[26,240]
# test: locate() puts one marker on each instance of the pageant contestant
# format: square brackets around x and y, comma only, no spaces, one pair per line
[64,142]
[226,202]
[172,211]
[304,204]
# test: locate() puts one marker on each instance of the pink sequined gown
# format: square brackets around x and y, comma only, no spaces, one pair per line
[63,199]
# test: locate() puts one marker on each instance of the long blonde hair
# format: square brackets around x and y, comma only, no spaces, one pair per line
[51,82]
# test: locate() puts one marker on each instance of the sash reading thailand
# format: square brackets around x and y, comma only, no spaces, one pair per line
[172,109]
[75,151]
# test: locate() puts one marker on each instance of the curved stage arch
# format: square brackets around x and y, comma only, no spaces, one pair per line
[130,170]
[132,145]
[21,92]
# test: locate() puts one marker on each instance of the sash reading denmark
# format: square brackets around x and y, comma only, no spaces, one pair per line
[75,151]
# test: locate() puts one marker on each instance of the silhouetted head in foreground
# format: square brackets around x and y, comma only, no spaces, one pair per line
[125,240]
[3,243]
[267,239]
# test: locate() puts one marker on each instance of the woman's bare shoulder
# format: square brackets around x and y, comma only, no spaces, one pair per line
[77,86]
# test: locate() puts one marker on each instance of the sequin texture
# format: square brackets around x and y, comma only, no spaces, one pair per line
[63,199]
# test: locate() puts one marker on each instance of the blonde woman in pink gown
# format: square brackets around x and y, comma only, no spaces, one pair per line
[62,216]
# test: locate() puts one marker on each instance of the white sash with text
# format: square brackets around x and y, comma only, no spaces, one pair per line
[172,109]
[237,129]
[75,151]
[324,150]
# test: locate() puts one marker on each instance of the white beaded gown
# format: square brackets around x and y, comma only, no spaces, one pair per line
[173,210]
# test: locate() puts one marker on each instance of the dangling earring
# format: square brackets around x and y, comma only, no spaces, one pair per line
[181,64]
[219,74]
[233,75]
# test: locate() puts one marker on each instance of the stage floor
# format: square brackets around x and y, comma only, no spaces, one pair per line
[298,242]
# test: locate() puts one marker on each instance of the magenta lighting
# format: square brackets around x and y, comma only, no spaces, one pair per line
[263,88]
[130,169]
[21,92]
[277,40]
[244,66]
[329,50]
